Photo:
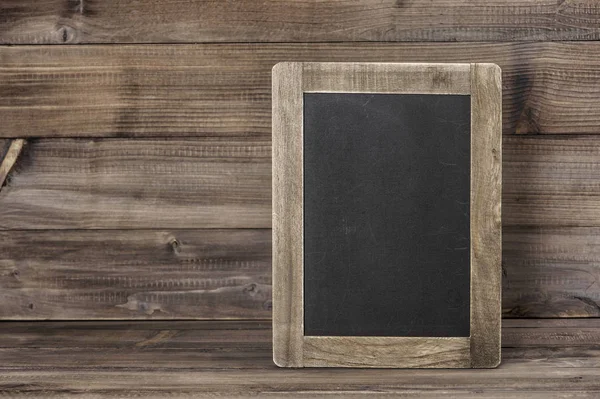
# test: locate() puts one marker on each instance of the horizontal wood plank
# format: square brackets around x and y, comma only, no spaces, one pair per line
[516,333]
[225,90]
[198,359]
[551,181]
[562,384]
[113,274]
[87,21]
[224,183]
[387,352]
[559,333]
[548,272]
[551,272]
[123,184]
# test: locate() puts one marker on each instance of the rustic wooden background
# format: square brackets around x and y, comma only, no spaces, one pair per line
[136,176]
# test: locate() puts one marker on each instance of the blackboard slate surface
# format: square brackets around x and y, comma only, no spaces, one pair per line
[386,215]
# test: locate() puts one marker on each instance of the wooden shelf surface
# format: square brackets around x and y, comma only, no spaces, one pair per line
[544,358]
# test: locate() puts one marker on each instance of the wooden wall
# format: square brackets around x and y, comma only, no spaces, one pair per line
[135,175]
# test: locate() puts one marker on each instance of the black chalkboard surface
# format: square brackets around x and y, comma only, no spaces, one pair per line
[386,214]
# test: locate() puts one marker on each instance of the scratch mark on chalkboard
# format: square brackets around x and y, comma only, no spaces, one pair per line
[347,287]
[446,163]
[368,101]
[324,255]
[441,231]
[359,185]
[389,323]
[371,231]
[451,122]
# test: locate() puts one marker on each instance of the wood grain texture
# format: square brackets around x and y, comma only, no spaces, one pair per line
[560,333]
[386,352]
[551,203]
[551,272]
[548,272]
[486,222]
[124,184]
[115,274]
[407,78]
[288,243]
[88,21]
[172,338]
[224,90]
[233,359]
[551,181]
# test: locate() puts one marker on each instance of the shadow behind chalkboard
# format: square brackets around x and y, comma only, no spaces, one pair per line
[386,215]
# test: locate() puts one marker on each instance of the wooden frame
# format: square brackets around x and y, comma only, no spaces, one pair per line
[291,348]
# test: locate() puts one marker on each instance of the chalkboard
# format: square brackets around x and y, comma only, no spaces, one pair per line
[386,214]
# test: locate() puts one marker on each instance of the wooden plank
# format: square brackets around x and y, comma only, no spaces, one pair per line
[551,181]
[512,381]
[218,90]
[548,272]
[288,214]
[387,352]
[405,78]
[180,274]
[153,21]
[128,184]
[200,359]
[223,336]
[485,214]
[551,272]
[549,333]
[560,323]
[123,184]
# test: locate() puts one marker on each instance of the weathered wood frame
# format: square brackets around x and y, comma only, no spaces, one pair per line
[290,347]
